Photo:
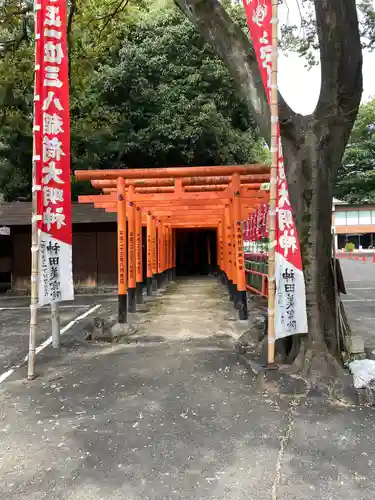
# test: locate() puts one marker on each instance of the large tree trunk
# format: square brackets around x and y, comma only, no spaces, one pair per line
[311,178]
[313,145]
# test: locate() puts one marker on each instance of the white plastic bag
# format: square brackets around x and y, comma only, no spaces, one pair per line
[363,371]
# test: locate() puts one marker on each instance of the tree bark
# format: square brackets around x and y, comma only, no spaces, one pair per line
[309,156]
[313,145]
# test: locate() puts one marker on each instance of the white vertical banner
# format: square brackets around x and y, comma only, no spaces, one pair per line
[290,304]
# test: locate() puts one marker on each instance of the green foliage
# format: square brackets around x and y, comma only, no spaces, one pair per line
[356,177]
[146,91]
[166,100]
[16,100]
[350,246]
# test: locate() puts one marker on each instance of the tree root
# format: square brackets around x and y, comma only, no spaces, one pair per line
[298,360]
[324,374]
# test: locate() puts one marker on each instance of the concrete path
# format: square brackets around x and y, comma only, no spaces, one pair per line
[190,309]
[178,419]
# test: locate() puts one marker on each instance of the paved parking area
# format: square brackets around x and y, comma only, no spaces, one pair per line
[15,318]
[15,313]
[168,420]
[360,299]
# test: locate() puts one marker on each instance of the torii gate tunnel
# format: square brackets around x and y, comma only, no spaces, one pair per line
[166,200]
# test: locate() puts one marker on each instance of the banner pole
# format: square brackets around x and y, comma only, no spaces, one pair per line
[55,323]
[34,277]
[273,194]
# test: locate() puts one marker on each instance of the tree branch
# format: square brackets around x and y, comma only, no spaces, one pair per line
[72,11]
[11,13]
[108,18]
[341,60]
[235,50]
[14,43]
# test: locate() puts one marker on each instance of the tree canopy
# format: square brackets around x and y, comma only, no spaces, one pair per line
[153,93]
[356,176]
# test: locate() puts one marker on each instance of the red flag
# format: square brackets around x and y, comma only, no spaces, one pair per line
[290,313]
[52,150]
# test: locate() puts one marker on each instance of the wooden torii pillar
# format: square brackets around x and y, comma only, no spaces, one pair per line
[122,253]
[149,253]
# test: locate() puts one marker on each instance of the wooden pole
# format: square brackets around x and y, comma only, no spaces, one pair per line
[174,252]
[238,247]
[229,253]
[138,255]
[273,194]
[166,252]
[34,219]
[169,234]
[160,253]
[131,251]
[233,249]
[121,252]
[166,249]
[149,254]
[154,254]
[220,246]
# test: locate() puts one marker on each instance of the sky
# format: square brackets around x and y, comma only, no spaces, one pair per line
[299,86]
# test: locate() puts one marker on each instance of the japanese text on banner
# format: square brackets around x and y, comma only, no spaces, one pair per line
[290,314]
[53,162]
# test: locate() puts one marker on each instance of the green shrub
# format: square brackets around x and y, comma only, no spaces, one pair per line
[350,246]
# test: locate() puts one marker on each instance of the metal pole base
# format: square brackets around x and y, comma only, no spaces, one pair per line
[139,293]
[165,278]
[159,278]
[242,305]
[270,366]
[154,282]
[230,290]
[123,308]
[149,287]
[132,303]
[55,321]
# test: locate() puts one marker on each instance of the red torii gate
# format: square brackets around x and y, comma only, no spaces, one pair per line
[165,199]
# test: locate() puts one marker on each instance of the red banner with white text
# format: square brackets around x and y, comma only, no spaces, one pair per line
[290,300]
[52,152]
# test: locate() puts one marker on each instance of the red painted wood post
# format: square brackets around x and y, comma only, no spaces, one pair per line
[131,251]
[121,253]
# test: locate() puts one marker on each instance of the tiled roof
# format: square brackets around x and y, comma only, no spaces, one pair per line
[18,213]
